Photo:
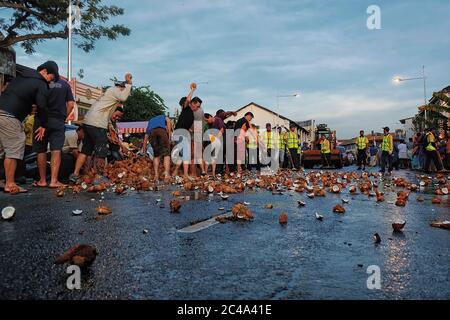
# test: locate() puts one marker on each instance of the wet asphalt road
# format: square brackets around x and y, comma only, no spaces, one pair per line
[306,259]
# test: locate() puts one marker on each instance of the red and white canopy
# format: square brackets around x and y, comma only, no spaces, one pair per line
[132,127]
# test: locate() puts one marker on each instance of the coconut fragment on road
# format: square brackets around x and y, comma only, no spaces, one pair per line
[8,213]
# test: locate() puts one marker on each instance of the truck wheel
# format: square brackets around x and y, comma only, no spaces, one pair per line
[338,164]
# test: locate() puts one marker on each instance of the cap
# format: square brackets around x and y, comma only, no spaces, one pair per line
[292,125]
[386,128]
[120,84]
[51,67]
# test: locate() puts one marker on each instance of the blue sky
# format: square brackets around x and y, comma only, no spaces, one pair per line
[250,50]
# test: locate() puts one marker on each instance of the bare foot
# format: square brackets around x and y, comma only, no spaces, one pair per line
[40,184]
[14,189]
[57,185]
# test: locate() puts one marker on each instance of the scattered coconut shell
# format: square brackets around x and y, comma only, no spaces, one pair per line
[175,206]
[283,219]
[339,209]
[398,226]
[436,200]
[420,199]
[241,211]
[60,193]
[269,206]
[441,224]
[319,217]
[103,210]
[8,212]
[120,189]
[301,203]
[81,255]
[400,202]
[336,189]
[377,238]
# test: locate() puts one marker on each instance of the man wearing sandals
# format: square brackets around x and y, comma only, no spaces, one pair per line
[15,105]
[95,125]
[60,105]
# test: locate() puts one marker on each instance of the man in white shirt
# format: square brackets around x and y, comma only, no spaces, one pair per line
[95,125]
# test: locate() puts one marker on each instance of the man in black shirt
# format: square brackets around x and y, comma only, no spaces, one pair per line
[185,122]
[16,102]
[60,105]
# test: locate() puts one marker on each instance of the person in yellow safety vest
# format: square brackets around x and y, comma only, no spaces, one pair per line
[292,146]
[325,150]
[281,146]
[268,139]
[252,149]
[431,151]
[362,144]
[387,149]
[267,145]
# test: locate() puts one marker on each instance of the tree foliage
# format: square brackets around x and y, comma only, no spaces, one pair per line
[435,118]
[34,21]
[142,104]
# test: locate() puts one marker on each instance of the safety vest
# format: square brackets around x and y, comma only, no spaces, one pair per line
[280,141]
[268,140]
[387,143]
[430,139]
[362,143]
[252,139]
[325,146]
[292,140]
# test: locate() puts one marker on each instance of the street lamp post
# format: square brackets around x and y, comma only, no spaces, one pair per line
[424,78]
[293,95]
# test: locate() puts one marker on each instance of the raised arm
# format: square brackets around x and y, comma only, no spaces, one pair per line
[190,94]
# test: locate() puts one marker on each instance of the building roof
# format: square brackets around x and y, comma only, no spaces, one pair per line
[277,114]
[403,121]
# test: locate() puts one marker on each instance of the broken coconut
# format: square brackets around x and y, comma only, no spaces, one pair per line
[339,209]
[376,238]
[398,226]
[283,219]
[8,213]
[175,206]
[103,210]
[441,224]
[269,206]
[436,200]
[81,255]
[319,217]
[240,211]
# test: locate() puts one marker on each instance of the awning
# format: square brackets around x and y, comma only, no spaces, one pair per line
[132,127]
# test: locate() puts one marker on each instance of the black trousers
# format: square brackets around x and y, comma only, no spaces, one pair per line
[67,166]
[326,159]
[386,160]
[362,158]
[295,159]
[432,155]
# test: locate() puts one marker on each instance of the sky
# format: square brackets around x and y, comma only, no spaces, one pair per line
[252,51]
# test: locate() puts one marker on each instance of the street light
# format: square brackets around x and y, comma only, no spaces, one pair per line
[398,79]
[293,95]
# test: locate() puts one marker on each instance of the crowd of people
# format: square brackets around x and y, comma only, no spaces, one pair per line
[34,108]
[427,151]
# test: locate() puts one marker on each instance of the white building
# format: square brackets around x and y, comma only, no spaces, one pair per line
[408,128]
[264,115]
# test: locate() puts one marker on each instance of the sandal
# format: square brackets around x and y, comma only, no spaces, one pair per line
[16,191]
